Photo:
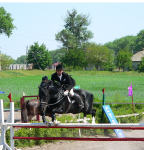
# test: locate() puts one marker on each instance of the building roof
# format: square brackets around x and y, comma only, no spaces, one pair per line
[138,56]
[55,64]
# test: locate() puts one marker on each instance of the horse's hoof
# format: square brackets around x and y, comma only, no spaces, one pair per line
[56,123]
[47,123]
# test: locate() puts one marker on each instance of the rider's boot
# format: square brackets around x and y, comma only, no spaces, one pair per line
[78,100]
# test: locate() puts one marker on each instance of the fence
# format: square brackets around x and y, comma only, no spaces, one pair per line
[10,123]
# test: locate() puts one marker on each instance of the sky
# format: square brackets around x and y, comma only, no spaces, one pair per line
[40,21]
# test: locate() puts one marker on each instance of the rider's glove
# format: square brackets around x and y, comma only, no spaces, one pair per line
[66,92]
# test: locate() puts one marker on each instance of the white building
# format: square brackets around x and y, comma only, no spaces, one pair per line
[20,66]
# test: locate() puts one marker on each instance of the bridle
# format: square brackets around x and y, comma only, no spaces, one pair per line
[60,92]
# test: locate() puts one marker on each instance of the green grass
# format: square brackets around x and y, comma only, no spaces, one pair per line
[115,84]
[116,90]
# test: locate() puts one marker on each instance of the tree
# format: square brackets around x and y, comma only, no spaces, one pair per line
[6,22]
[5,61]
[39,56]
[123,60]
[75,33]
[74,58]
[100,56]
[57,55]
[138,45]
[21,60]
[141,66]
[122,43]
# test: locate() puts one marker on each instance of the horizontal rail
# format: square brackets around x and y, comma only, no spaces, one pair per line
[134,126]
[108,103]
[31,96]
[125,128]
[80,139]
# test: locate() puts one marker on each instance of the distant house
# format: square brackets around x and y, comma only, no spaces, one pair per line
[21,67]
[53,67]
[136,59]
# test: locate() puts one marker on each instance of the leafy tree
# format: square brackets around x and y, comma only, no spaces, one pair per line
[75,32]
[74,58]
[138,45]
[122,43]
[100,56]
[57,55]
[123,60]
[39,56]
[21,60]
[6,22]
[141,66]
[5,61]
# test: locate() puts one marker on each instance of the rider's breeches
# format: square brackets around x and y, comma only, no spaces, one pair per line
[71,92]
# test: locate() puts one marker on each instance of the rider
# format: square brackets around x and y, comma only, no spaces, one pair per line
[65,80]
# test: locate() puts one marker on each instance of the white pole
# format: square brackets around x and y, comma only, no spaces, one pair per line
[1,112]
[12,121]
[2,122]
[79,129]
[4,127]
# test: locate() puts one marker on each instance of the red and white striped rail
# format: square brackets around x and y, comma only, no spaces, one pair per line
[13,125]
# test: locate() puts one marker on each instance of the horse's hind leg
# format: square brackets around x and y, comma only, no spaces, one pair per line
[93,116]
[85,118]
[53,117]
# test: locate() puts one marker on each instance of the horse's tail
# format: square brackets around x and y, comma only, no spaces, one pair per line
[24,112]
[89,100]
[93,111]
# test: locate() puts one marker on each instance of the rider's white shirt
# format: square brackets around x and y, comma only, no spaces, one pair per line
[60,77]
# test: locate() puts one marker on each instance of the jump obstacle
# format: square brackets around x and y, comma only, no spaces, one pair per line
[111,117]
[10,123]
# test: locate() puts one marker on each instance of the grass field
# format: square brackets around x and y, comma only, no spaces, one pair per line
[115,84]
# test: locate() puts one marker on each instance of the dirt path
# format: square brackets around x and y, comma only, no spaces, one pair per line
[90,145]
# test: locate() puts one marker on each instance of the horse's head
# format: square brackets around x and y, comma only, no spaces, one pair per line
[55,90]
[43,90]
[49,91]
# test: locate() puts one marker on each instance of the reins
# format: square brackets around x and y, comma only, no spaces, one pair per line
[58,100]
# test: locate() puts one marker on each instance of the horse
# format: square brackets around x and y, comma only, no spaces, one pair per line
[57,103]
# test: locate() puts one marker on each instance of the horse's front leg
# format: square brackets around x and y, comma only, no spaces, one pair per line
[44,118]
[53,117]
[42,111]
